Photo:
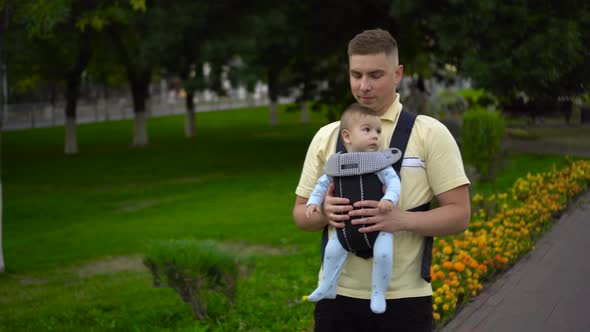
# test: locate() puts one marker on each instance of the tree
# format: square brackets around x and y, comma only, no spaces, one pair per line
[62,33]
[539,48]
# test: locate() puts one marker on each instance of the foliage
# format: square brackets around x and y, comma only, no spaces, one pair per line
[450,104]
[478,97]
[196,270]
[481,138]
[500,46]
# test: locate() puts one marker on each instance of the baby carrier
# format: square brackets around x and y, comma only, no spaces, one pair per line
[369,187]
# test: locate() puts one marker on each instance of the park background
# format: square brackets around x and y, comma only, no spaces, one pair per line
[128,123]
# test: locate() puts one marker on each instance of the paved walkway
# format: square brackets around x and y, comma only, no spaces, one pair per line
[547,290]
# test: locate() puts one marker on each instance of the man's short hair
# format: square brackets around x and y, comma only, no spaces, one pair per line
[353,112]
[373,42]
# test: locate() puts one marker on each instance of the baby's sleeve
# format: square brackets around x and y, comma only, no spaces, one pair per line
[320,191]
[389,178]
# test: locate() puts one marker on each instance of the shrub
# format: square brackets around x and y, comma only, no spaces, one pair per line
[203,274]
[481,138]
[478,98]
[450,104]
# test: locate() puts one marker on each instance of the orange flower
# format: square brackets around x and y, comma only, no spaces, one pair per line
[447,250]
[460,267]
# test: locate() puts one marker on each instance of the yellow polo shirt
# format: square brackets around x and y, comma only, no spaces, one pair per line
[432,165]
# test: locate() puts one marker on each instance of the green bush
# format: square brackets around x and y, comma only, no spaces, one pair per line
[477,98]
[450,104]
[481,138]
[203,274]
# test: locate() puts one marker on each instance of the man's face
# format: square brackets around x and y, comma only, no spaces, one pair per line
[373,79]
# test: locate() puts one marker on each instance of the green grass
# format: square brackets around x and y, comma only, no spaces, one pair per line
[517,166]
[234,183]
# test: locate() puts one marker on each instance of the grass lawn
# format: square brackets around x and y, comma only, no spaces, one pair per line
[75,226]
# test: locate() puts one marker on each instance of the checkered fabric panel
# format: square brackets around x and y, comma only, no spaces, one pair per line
[357,163]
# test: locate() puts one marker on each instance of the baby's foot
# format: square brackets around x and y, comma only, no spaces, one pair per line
[378,304]
[320,294]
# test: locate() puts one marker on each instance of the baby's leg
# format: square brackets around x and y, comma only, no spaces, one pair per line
[382,269]
[334,258]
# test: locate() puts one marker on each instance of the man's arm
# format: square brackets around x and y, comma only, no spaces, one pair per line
[314,223]
[451,217]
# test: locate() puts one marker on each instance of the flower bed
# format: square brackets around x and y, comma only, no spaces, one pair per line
[503,227]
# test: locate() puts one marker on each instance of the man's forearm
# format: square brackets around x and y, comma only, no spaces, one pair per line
[442,221]
[314,223]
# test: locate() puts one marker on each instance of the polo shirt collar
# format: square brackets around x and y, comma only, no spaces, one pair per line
[394,110]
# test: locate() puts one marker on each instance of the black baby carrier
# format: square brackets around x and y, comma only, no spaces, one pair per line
[369,187]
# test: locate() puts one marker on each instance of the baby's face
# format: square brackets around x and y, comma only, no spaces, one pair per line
[365,135]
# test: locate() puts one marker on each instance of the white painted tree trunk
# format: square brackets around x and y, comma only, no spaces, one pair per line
[140,129]
[71,140]
[2,266]
[304,111]
[274,113]
[190,129]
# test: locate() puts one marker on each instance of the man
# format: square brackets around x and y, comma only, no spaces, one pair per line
[432,167]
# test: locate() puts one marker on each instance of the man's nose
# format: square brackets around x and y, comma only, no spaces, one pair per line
[365,84]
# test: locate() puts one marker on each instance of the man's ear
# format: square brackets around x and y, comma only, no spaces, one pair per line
[346,136]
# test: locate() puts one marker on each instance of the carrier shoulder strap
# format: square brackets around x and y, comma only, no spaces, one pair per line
[399,139]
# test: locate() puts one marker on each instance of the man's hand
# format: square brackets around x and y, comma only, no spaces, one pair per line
[379,216]
[451,217]
[333,206]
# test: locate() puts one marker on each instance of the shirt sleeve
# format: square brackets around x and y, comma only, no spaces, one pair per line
[388,177]
[320,190]
[315,159]
[444,165]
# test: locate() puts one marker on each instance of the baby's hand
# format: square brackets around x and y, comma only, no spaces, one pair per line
[311,209]
[385,205]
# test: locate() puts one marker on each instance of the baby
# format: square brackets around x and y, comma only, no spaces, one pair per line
[360,130]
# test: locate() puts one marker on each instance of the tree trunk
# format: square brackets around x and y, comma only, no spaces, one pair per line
[304,111]
[73,79]
[140,129]
[73,84]
[190,128]
[71,146]
[3,103]
[2,266]
[273,93]
[139,88]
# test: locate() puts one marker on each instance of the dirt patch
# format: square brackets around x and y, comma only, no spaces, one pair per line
[242,249]
[134,263]
[26,280]
[270,134]
[131,263]
[131,206]
[183,180]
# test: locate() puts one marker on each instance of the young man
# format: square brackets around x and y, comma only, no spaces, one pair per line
[432,167]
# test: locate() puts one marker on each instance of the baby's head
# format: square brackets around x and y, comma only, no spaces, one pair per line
[360,128]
